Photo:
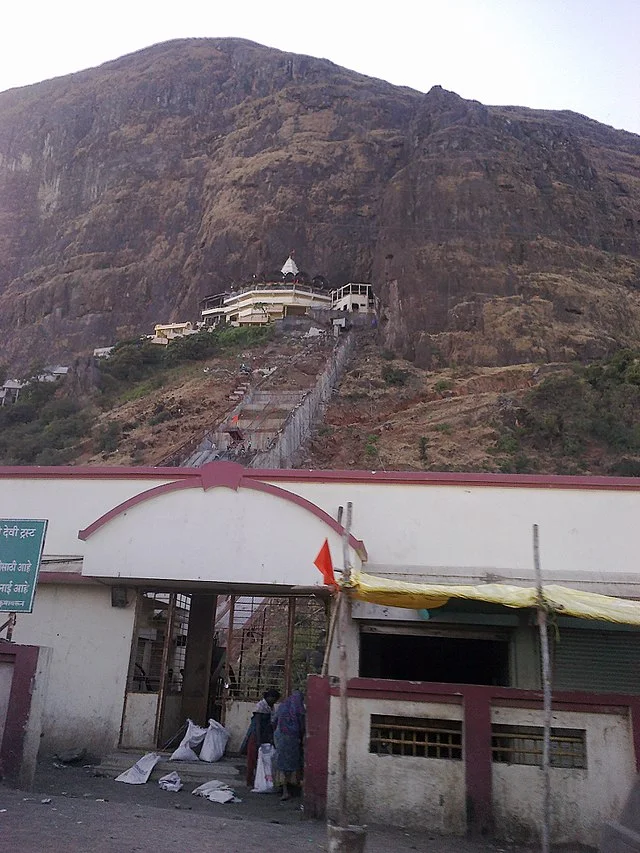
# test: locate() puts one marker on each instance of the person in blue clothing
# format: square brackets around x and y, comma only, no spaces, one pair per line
[288,739]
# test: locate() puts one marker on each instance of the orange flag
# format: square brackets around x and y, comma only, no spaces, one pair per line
[325,564]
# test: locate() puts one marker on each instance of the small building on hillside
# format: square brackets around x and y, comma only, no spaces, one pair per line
[166,332]
[102,352]
[354,297]
[52,373]
[10,391]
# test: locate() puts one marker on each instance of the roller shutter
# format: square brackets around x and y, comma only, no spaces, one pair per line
[598,661]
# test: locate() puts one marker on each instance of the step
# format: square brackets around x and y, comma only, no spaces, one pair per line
[229,770]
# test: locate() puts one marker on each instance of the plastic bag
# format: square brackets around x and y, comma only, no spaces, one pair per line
[141,770]
[215,742]
[193,737]
[216,792]
[170,782]
[264,770]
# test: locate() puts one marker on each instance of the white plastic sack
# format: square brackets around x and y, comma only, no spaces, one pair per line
[215,742]
[216,792]
[264,770]
[193,737]
[141,770]
[170,782]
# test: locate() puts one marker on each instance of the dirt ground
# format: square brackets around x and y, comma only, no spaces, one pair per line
[72,810]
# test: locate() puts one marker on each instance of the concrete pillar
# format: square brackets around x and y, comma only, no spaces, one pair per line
[197,665]
[525,655]
[316,746]
[477,757]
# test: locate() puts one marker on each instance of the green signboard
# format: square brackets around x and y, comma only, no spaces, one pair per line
[21,544]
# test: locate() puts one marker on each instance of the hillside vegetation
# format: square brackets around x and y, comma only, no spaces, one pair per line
[146,397]
[386,414]
[531,418]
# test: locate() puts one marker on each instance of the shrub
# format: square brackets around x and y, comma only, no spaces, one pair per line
[371,446]
[108,437]
[394,375]
[443,385]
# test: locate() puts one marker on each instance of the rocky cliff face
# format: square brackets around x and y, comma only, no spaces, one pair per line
[493,234]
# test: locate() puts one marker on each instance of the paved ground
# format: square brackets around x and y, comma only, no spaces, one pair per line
[85,814]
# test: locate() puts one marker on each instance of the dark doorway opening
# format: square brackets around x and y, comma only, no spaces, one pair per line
[452,660]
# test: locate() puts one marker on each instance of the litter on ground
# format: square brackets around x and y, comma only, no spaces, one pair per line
[141,770]
[216,792]
[170,782]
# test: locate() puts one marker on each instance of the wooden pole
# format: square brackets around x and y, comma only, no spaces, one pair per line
[546,692]
[332,630]
[164,665]
[227,660]
[343,630]
[288,660]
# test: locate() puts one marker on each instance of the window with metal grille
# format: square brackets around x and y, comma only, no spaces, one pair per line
[416,737]
[523,745]
[161,634]
[275,642]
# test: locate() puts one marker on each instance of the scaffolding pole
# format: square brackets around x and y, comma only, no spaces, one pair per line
[546,692]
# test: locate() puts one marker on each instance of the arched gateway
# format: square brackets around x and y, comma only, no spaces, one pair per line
[228,600]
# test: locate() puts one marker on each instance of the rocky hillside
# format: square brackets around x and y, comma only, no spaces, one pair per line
[494,235]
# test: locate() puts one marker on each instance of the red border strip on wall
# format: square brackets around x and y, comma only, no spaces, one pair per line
[223,475]
[427,478]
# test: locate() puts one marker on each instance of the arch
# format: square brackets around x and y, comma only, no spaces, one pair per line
[219,527]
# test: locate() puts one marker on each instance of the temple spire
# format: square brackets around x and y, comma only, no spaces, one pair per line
[289,266]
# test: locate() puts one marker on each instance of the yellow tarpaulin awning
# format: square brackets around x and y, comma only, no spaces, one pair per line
[560,599]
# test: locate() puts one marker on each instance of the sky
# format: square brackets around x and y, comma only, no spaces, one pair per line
[581,55]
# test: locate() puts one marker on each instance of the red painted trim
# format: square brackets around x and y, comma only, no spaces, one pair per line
[357,544]
[429,478]
[477,761]
[25,663]
[90,472]
[141,497]
[223,475]
[426,691]
[316,749]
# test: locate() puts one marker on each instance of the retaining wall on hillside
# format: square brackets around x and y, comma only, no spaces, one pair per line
[298,425]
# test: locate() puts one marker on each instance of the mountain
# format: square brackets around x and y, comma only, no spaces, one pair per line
[493,235]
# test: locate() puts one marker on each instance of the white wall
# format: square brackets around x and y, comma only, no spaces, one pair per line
[70,504]
[581,800]
[91,642]
[462,531]
[395,789]
[451,532]
[218,535]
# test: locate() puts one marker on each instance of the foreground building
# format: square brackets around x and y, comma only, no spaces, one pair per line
[174,593]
